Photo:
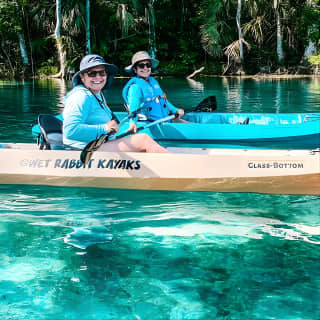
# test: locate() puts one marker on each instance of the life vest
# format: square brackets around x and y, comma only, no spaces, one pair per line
[153,97]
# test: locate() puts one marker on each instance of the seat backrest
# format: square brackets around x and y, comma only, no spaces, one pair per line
[51,131]
[207,105]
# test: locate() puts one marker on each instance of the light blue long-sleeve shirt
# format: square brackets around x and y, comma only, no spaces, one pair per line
[84,118]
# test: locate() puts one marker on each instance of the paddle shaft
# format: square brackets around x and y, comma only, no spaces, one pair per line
[128,133]
[88,150]
[209,102]
[122,135]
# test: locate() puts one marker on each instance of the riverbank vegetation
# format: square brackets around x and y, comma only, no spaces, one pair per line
[237,37]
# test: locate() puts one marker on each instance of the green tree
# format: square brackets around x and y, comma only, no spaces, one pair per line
[12,26]
[223,35]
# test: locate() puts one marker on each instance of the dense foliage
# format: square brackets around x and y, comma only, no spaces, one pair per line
[225,36]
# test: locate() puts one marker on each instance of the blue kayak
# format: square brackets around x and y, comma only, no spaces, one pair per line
[207,129]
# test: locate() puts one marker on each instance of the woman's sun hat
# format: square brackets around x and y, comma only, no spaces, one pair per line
[93,60]
[140,56]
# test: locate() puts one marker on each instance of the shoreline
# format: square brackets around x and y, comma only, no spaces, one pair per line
[256,76]
[277,76]
[196,78]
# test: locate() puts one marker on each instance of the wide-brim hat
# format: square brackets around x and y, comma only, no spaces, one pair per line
[140,56]
[93,60]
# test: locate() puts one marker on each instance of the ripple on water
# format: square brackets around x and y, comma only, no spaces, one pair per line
[28,268]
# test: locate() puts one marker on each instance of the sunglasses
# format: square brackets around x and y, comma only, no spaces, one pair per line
[142,65]
[92,74]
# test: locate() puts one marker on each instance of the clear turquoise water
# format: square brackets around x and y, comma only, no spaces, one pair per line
[86,253]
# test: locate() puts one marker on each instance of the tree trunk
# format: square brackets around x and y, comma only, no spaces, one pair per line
[311,49]
[182,15]
[88,47]
[152,29]
[26,18]
[23,50]
[3,47]
[239,30]
[24,54]
[61,53]
[279,33]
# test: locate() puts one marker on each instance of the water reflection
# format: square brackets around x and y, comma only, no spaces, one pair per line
[61,91]
[197,85]
[22,102]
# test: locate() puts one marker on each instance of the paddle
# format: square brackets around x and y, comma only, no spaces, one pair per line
[208,104]
[92,146]
[95,144]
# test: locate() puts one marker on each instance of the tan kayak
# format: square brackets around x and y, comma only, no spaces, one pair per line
[183,169]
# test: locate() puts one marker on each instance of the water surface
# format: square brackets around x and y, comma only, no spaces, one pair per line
[87,253]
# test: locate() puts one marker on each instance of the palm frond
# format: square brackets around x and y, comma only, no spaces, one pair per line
[233,49]
[210,40]
[256,28]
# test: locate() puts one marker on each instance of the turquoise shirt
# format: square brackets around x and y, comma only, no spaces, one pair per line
[84,119]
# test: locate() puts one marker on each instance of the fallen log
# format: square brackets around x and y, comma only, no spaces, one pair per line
[195,73]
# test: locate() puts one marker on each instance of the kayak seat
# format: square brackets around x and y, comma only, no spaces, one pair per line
[51,132]
[126,107]
[140,116]
[203,118]
[245,121]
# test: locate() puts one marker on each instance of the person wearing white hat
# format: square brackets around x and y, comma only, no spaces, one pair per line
[86,113]
[144,93]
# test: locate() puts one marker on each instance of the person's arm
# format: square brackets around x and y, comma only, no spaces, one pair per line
[172,109]
[135,100]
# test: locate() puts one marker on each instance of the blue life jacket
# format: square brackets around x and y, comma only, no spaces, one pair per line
[153,97]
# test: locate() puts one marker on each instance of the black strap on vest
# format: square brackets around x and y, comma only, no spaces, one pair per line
[103,105]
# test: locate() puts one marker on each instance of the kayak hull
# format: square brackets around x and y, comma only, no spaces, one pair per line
[256,130]
[302,184]
[299,131]
[183,169]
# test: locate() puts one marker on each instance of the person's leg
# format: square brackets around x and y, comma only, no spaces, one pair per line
[180,121]
[140,142]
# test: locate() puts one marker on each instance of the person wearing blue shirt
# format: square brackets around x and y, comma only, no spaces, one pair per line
[143,93]
[87,116]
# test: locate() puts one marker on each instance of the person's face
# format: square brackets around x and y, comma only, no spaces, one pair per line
[94,78]
[143,69]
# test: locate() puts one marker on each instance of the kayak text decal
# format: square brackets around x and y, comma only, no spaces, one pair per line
[119,164]
[275,165]
[114,164]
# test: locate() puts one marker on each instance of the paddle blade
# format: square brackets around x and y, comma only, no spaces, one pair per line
[209,104]
[86,153]
[94,145]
